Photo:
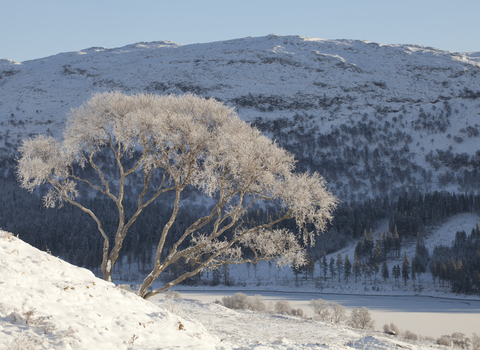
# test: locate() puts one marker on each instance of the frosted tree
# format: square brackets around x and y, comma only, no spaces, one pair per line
[361,319]
[162,145]
[339,313]
[321,308]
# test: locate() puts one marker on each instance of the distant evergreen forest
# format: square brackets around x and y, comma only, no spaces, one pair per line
[459,263]
[72,235]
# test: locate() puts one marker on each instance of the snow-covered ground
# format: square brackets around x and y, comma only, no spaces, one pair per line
[50,304]
[263,331]
[424,316]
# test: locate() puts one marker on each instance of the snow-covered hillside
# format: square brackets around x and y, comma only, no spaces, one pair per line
[365,115]
[55,305]
[47,303]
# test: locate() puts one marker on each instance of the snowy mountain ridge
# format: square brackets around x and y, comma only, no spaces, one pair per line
[373,111]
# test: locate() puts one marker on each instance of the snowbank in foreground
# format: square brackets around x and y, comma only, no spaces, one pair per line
[52,304]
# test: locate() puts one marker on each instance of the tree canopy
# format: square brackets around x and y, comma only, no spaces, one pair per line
[161,145]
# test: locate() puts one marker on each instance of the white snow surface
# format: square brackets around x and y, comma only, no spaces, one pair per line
[72,309]
[54,305]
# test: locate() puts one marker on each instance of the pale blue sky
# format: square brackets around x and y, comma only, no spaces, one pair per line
[32,29]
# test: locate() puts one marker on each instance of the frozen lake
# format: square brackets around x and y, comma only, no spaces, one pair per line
[425,316]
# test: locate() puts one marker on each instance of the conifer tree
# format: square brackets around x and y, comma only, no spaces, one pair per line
[311,268]
[324,265]
[434,272]
[370,272]
[339,266]
[296,272]
[396,273]
[369,245]
[377,253]
[385,271]
[459,285]
[226,274]
[399,273]
[332,268]
[389,243]
[405,268]
[443,274]
[365,271]
[376,269]
[217,276]
[347,268]
[357,271]
[396,241]
[451,267]
[421,255]
[414,274]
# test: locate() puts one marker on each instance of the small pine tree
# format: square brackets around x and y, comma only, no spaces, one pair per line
[226,274]
[396,241]
[421,255]
[376,269]
[357,271]
[405,268]
[370,272]
[451,267]
[365,271]
[389,244]
[347,268]
[385,274]
[414,275]
[434,271]
[311,268]
[332,268]
[339,266]
[296,271]
[377,253]
[396,274]
[443,274]
[324,265]
[217,276]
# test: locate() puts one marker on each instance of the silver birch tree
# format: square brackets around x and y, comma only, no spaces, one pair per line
[183,142]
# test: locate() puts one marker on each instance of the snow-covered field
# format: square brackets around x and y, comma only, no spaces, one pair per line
[49,304]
